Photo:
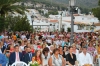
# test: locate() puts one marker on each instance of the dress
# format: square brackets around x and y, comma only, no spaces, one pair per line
[70,59]
[55,61]
[45,59]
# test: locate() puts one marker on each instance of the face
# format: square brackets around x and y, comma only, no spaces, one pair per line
[38,53]
[84,50]
[57,52]
[74,47]
[7,54]
[60,48]
[28,49]
[65,48]
[46,53]
[17,49]
[71,50]
[52,48]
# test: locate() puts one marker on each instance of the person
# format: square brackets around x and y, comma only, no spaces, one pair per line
[28,56]
[92,50]
[37,57]
[15,56]
[85,58]
[7,54]
[56,59]
[65,49]
[45,56]
[61,52]
[70,57]
[3,60]
[75,51]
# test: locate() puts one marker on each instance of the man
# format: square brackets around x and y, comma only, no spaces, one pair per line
[85,58]
[3,60]
[15,56]
[28,56]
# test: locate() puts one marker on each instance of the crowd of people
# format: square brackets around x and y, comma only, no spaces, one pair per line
[49,48]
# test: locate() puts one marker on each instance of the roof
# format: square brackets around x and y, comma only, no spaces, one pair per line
[76,22]
[53,20]
[97,24]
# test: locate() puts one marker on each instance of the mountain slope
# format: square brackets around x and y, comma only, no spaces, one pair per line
[80,3]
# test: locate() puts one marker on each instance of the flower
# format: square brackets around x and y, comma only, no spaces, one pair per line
[35,63]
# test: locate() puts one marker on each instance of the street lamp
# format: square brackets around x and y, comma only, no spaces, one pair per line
[93,26]
[32,17]
[72,5]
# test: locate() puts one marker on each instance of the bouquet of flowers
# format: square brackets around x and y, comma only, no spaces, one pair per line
[33,64]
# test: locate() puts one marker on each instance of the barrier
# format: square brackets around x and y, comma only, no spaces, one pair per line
[19,63]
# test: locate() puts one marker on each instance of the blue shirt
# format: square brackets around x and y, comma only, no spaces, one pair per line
[3,60]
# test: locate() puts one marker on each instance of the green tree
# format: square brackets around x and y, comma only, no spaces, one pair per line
[7,6]
[1,24]
[96,11]
[22,24]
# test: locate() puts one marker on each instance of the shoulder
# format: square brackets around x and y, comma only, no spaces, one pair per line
[1,55]
[87,54]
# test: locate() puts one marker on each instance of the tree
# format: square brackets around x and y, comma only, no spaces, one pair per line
[1,24]
[22,24]
[96,11]
[7,6]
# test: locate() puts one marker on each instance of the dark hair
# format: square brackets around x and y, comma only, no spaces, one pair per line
[56,49]
[60,46]
[64,47]
[16,46]
[70,47]
[25,47]
[46,49]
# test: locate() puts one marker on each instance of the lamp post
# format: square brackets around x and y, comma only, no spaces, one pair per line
[32,17]
[93,26]
[72,5]
[60,22]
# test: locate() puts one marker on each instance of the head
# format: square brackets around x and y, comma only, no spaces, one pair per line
[51,47]
[16,48]
[38,53]
[70,49]
[84,49]
[65,48]
[60,48]
[45,51]
[74,47]
[7,54]
[25,48]
[28,49]
[43,46]
[56,51]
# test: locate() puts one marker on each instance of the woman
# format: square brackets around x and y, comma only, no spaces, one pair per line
[75,51]
[92,50]
[56,59]
[22,46]
[37,57]
[65,49]
[45,56]
[61,52]
[70,57]
[51,49]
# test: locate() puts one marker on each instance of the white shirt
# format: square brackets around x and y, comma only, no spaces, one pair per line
[0,51]
[58,42]
[23,37]
[84,59]
[77,54]
[45,61]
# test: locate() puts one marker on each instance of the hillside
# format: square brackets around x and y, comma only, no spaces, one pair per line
[80,3]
